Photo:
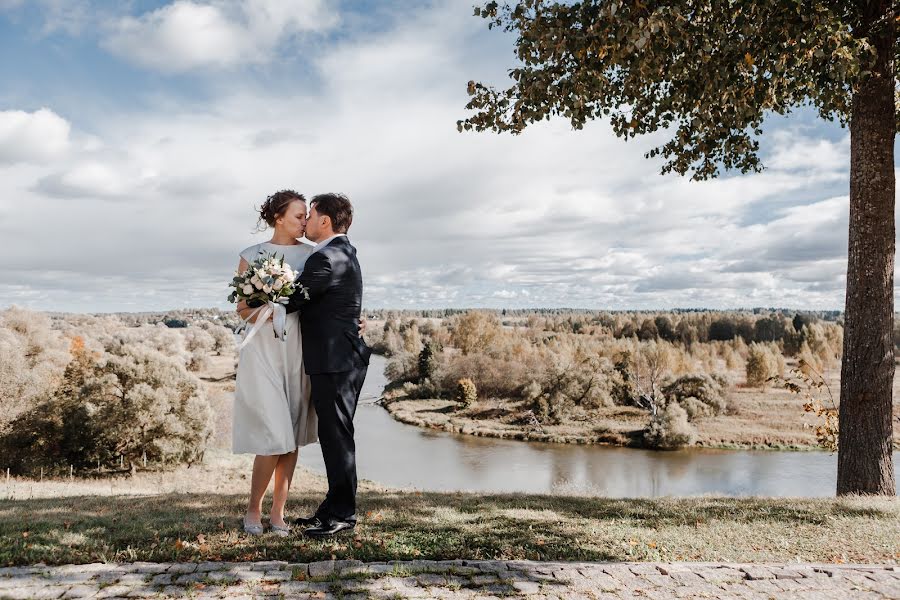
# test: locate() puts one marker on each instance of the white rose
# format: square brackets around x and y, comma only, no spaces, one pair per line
[255,280]
[267,289]
[247,289]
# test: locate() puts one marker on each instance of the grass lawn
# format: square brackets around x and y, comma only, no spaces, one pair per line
[194,514]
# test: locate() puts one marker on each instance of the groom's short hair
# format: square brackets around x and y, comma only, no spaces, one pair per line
[337,207]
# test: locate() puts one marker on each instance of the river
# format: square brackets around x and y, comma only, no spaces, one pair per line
[403,455]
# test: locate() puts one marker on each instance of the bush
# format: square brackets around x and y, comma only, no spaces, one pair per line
[424,390]
[475,331]
[466,392]
[223,337]
[494,377]
[763,363]
[33,358]
[809,362]
[695,408]
[386,340]
[428,360]
[130,401]
[198,340]
[588,385]
[401,368]
[705,389]
[669,429]
[199,361]
[623,387]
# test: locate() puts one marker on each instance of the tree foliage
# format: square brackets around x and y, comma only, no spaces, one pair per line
[709,71]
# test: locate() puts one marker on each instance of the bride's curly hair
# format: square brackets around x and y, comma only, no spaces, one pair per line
[274,207]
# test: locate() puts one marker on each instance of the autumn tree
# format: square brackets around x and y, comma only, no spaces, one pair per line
[709,72]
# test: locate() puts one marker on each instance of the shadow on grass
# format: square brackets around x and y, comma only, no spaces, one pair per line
[410,525]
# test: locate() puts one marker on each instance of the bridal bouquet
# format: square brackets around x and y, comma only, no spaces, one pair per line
[267,284]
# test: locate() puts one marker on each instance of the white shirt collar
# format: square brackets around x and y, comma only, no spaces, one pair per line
[324,243]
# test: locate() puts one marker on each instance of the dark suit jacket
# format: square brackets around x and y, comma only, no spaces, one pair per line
[329,320]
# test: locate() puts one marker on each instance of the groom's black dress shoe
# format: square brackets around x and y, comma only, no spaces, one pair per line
[329,528]
[312,521]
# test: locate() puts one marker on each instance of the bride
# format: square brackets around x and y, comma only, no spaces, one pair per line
[273,414]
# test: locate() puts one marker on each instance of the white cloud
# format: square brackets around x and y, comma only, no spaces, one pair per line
[793,152]
[84,180]
[187,35]
[549,218]
[39,136]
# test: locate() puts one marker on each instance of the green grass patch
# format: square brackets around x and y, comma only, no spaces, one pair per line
[440,526]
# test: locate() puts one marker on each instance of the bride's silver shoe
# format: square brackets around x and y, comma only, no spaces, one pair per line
[281,530]
[253,528]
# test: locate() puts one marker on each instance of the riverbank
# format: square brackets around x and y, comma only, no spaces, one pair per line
[756,419]
[193,514]
[614,426]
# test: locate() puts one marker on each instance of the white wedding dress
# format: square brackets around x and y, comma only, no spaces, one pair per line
[273,413]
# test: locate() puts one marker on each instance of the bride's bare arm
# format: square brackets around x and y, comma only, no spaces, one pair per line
[242,309]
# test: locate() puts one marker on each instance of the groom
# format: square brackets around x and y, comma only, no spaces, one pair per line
[334,355]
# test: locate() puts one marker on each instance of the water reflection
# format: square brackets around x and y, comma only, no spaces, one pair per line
[396,454]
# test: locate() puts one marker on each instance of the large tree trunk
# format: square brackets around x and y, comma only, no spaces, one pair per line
[865,465]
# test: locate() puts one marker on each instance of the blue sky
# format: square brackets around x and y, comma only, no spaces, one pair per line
[137,137]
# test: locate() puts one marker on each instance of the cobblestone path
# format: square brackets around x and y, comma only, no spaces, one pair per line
[353,580]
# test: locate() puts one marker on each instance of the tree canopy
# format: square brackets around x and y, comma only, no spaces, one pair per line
[707,70]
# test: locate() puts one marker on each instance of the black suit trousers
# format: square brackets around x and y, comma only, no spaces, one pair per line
[335,396]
